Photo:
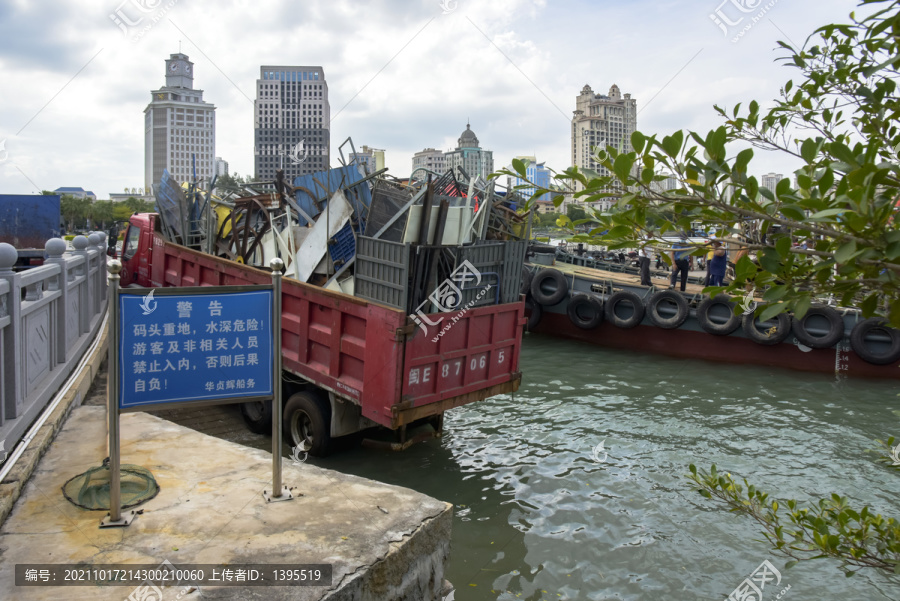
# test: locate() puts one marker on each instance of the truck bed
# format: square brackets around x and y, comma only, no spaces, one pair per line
[368,353]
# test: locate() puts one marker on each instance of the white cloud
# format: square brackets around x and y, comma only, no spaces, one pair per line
[91,133]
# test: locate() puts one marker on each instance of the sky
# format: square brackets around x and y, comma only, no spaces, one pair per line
[402,75]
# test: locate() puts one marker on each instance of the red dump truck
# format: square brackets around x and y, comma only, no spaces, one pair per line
[349,364]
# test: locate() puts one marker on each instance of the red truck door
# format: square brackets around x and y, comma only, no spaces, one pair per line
[136,251]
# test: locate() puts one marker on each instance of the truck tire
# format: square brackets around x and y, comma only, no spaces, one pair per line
[258,416]
[307,422]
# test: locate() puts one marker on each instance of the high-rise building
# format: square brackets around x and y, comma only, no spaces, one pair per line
[600,121]
[536,174]
[665,185]
[291,122]
[430,159]
[179,125]
[770,181]
[221,166]
[372,158]
[470,156]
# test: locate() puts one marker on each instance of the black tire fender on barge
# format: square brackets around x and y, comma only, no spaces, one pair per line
[858,343]
[527,276]
[549,287]
[585,311]
[535,313]
[770,336]
[682,310]
[718,327]
[615,299]
[810,337]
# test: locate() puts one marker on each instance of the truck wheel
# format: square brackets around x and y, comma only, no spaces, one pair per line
[307,420]
[258,416]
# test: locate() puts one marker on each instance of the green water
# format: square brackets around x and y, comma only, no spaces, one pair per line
[537,517]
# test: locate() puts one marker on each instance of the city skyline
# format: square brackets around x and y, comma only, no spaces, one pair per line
[513,67]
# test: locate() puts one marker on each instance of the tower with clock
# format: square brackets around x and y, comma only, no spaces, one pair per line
[179,128]
[179,72]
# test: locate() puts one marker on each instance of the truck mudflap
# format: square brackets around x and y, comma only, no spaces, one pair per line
[464,358]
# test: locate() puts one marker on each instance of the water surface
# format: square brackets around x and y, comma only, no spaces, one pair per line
[537,516]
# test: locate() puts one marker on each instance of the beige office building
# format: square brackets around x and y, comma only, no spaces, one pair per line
[179,125]
[428,159]
[600,121]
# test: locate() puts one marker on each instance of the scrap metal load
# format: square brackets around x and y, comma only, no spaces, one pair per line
[422,247]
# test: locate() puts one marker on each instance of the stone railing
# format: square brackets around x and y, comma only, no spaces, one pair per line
[49,315]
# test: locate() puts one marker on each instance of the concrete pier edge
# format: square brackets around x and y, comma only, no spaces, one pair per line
[11,486]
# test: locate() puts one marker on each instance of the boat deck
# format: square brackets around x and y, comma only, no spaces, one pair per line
[624,279]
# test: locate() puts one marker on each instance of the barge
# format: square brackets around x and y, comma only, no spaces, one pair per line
[603,303]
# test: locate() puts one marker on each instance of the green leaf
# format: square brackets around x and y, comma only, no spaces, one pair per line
[752,187]
[637,141]
[745,268]
[809,150]
[802,306]
[672,144]
[622,166]
[783,246]
[769,260]
[771,311]
[846,252]
[520,167]
[869,305]
[826,181]
[775,293]
[827,213]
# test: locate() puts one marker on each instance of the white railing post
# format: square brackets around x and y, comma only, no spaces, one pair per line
[98,265]
[55,248]
[84,289]
[12,338]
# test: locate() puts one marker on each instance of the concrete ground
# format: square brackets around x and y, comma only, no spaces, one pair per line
[220,421]
[385,542]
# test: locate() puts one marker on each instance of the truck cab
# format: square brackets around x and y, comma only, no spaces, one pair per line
[136,249]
